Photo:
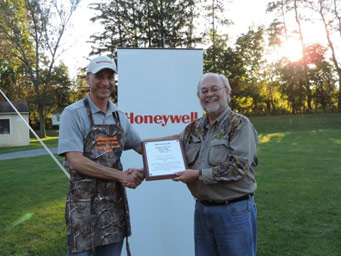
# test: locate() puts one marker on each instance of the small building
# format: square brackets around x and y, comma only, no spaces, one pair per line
[13,130]
[56,117]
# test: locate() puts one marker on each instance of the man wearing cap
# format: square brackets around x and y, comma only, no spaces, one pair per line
[221,153]
[93,133]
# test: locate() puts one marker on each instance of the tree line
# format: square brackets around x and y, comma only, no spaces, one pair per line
[31,32]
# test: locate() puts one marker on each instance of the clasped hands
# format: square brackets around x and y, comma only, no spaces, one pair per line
[132,177]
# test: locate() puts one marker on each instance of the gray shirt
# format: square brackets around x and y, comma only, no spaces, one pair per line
[75,126]
[225,152]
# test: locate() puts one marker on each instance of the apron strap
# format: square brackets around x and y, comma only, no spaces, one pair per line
[127,247]
[116,117]
[88,110]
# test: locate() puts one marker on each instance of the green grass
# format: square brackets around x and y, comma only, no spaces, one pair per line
[298,177]
[294,123]
[33,192]
[298,180]
[51,140]
[298,193]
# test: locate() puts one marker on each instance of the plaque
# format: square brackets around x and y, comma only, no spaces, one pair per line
[163,158]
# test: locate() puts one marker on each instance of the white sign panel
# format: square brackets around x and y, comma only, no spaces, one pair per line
[157,91]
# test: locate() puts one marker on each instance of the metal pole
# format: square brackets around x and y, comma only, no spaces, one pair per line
[34,133]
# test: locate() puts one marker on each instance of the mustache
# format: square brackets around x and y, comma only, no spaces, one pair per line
[211,98]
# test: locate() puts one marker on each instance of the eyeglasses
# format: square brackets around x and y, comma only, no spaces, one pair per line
[213,90]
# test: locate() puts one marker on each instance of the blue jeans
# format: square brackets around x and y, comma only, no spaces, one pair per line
[226,230]
[105,250]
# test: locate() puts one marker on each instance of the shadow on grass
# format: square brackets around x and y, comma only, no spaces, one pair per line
[298,193]
[295,123]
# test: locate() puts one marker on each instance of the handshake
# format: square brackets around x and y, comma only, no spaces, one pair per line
[132,177]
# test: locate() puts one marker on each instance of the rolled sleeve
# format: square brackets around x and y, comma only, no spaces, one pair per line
[70,135]
[133,139]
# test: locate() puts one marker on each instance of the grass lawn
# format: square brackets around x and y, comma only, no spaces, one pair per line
[51,140]
[298,197]
[299,210]
[32,198]
[299,174]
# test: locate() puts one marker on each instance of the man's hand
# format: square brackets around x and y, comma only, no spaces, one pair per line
[187,176]
[132,177]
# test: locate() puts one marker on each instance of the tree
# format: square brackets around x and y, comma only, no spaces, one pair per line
[321,77]
[250,48]
[60,88]
[244,66]
[331,20]
[279,29]
[143,23]
[291,86]
[80,87]
[12,72]
[57,97]
[220,57]
[33,34]
[212,12]
[12,79]
[305,80]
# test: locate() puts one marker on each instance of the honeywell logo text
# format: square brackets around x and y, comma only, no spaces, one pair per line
[162,120]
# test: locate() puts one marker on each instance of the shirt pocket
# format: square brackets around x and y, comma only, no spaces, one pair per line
[192,150]
[219,152]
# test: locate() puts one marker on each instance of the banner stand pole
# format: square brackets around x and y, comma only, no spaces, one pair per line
[34,133]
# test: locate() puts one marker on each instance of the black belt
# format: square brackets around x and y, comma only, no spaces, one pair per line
[214,203]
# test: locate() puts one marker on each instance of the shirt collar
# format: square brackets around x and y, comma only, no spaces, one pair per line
[222,116]
[95,109]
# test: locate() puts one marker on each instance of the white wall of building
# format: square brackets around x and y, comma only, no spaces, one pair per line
[56,118]
[19,133]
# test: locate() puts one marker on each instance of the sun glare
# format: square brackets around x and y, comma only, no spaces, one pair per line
[291,49]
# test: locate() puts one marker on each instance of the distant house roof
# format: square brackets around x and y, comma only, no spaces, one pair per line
[21,106]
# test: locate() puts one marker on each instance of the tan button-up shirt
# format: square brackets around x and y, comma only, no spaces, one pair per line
[225,152]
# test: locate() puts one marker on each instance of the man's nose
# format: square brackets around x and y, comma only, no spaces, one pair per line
[106,81]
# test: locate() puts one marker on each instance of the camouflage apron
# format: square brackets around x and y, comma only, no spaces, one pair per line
[96,210]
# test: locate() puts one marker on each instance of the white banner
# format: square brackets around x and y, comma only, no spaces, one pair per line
[157,90]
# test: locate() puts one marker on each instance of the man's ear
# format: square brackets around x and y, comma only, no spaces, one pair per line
[228,94]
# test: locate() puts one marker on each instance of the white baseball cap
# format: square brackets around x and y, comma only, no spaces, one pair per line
[99,63]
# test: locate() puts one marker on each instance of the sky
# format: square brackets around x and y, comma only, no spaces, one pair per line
[243,13]
[76,53]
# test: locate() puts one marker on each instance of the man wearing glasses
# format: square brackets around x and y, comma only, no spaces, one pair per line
[221,153]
